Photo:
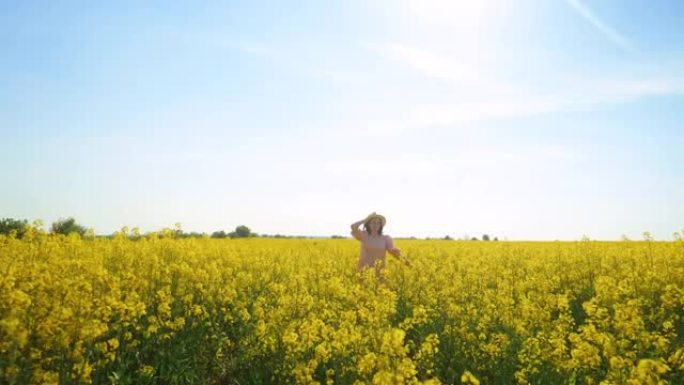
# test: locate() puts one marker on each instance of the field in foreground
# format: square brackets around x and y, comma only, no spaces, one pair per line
[258,311]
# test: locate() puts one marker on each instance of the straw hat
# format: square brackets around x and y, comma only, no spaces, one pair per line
[375,215]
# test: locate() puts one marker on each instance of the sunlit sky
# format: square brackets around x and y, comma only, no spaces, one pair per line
[519,119]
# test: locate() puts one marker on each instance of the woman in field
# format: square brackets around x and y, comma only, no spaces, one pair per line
[374,244]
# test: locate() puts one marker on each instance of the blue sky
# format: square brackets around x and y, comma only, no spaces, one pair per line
[522,120]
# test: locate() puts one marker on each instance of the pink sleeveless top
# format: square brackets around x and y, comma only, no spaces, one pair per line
[373,249]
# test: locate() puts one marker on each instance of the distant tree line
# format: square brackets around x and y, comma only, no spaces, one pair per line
[19,227]
[16,226]
[485,237]
[241,231]
[67,226]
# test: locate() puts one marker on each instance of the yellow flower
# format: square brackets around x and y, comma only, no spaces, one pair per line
[469,379]
[649,372]
[367,363]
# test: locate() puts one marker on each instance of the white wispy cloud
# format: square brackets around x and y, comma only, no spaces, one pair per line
[454,114]
[334,76]
[602,26]
[254,47]
[464,72]
[482,97]
[585,97]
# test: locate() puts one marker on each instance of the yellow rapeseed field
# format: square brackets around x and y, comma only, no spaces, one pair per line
[159,310]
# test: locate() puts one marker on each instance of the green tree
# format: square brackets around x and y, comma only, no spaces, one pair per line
[67,226]
[8,225]
[219,234]
[241,231]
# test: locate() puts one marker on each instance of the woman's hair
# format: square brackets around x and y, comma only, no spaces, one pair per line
[367,228]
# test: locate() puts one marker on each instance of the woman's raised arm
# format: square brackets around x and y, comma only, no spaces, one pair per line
[355,232]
